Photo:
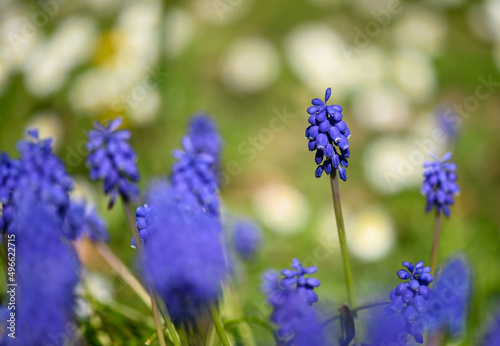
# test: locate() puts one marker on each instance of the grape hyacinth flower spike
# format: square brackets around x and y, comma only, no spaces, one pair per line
[439,185]
[409,298]
[328,135]
[292,298]
[247,237]
[112,159]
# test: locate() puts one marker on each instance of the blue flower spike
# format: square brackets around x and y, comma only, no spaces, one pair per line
[112,159]
[439,186]
[410,297]
[328,134]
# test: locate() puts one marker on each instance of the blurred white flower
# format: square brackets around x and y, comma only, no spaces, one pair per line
[370,67]
[281,208]
[414,75]
[49,126]
[392,164]
[179,30]
[420,29]
[99,286]
[370,234]
[315,52]
[71,44]
[250,65]
[479,22]
[492,8]
[19,38]
[382,109]
[146,111]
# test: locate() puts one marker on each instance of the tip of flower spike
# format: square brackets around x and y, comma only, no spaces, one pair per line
[33,133]
[328,93]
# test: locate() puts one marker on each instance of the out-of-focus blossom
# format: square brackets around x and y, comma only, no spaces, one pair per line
[47,273]
[449,303]
[112,159]
[439,186]
[250,65]
[492,335]
[247,238]
[184,256]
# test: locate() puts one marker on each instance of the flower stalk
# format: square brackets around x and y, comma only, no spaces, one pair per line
[435,241]
[342,237]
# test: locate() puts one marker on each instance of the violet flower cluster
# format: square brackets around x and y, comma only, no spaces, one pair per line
[328,134]
[112,160]
[439,186]
[196,169]
[292,298]
[47,273]
[247,238]
[409,298]
[184,257]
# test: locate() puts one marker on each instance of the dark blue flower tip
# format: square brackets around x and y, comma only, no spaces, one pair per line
[330,133]
[304,285]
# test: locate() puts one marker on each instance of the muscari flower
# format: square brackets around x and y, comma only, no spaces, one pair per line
[247,238]
[449,303]
[112,159]
[9,173]
[292,301]
[144,217]
[184,257]
[43,172]
[492,335]
[204,135]
[192,173]
[328,134]
[47,273]
[439,185]
[409,299]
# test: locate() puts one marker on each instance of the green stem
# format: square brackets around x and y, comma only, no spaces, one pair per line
[435,242]
[218,326]
[342,237]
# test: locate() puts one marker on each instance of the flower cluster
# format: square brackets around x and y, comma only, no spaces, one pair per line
[43,172]
[410,297]
[47,273]
[192,173]
[295,278]
[113,160]
[205,136]
[292,301]
[9,172]
[247,237]
[444,313]
[144,217]
[184,256]
[328,135]
[439,184]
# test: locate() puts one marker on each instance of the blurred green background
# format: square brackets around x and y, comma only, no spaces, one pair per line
[405,72]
